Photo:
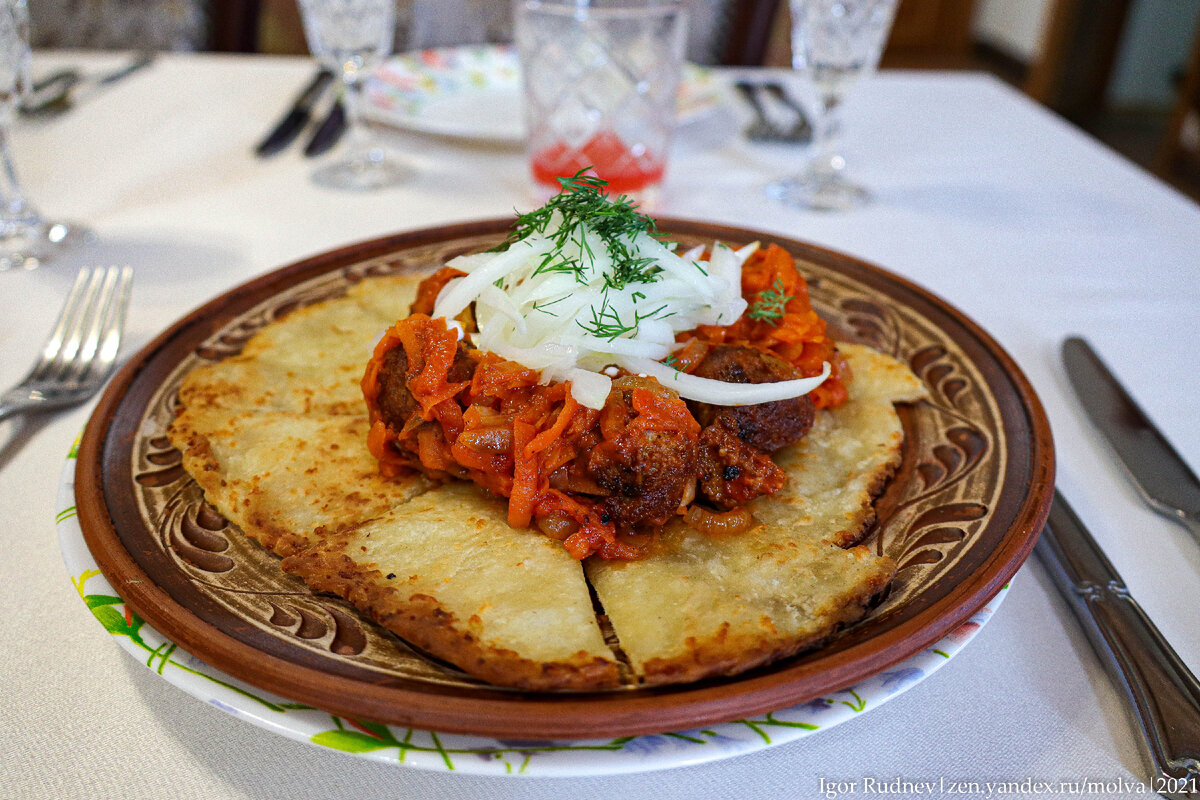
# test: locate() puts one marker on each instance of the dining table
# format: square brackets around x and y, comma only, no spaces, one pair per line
[1004,210]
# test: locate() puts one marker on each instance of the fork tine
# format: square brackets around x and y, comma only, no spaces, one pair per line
[95,324]
[114,325]
[77,328]
[71,307]
[93,327]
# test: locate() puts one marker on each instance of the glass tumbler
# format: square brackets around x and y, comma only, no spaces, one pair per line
[600,84]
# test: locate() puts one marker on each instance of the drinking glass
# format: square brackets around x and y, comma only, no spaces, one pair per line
[601,79]
[26,238]
[351,38]
[834,44]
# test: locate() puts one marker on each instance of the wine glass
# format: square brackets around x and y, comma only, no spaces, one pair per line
[351,38]
[27,239]
[834,43]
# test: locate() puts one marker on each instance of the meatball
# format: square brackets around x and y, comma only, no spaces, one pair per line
[645,472]
[732,472]
[765,426]
[395,401]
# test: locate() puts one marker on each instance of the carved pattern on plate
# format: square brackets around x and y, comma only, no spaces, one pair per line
[954,463]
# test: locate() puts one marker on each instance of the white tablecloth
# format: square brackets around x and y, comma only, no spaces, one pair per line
[1009,213]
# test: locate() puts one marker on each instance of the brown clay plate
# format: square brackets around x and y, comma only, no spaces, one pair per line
[960,516]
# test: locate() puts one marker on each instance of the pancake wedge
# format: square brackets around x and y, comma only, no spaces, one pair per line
[845,460]
[280,476]
[702,605]
[311,360]
[447,573]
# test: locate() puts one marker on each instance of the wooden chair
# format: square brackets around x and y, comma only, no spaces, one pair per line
[233,25]
[748,31]
[1073,70]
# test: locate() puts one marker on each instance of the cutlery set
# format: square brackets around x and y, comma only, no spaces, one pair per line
[1159,690]
[298,116]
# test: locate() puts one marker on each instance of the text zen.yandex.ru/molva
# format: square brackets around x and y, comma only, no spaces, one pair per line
[1029,787]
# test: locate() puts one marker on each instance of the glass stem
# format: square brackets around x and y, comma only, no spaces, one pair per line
[362,148]
[14,208]
[827,162]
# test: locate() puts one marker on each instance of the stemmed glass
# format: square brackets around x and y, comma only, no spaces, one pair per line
[26,238]
[351,38]
[834,43]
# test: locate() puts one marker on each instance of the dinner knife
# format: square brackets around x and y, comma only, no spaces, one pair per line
[297,116]
[329,131]
[1160,474]
[1156,685]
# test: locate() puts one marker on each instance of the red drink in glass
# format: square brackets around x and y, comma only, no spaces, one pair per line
[600,87]
[628,170]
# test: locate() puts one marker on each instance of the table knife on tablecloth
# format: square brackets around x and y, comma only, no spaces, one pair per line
[297,116]
[1157,686]
[1162,477]
[329,131]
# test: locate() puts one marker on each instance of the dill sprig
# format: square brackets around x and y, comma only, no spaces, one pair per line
[583,206]
[606,322]
[540,306]
[770,304]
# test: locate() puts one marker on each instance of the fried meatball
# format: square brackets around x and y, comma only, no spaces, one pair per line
[765,426]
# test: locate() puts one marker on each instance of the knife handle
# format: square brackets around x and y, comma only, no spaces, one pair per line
[1162,693]
[1189,521]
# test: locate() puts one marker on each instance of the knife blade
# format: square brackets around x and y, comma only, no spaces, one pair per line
[288,128]
[1155,684]
[1162,477]
[329,131]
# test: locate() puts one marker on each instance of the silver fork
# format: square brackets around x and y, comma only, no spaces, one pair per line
[82,348]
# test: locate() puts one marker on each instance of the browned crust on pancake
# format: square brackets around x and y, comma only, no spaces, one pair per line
[202,464]
[853,533]
[296,482]
[722,654]
[421,620]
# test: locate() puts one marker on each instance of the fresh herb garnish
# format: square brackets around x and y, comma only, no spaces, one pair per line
[606,323]
[770,304]
[540,306]
[583,207]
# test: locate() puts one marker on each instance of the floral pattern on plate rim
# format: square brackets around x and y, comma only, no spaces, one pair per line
[474,754]
[405,82]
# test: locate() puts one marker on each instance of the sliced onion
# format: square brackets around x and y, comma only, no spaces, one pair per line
[461,292]
[722,393]
[589,388]
[542,320]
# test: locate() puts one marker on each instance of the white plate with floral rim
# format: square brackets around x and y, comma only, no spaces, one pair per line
[474,754]
[474,92]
